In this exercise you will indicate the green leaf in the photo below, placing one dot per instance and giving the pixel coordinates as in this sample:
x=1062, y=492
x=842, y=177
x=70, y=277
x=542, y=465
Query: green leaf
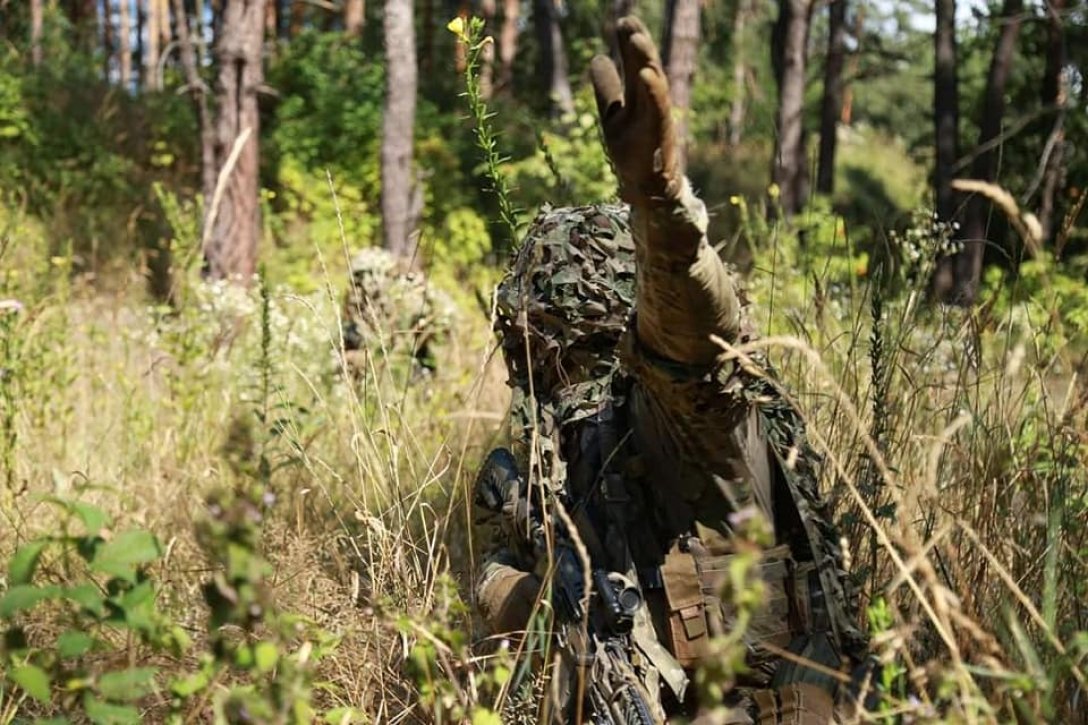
x=93, y=518
x=104, y=713
x=189, y=686
x=22, y=566
x=33, y=680
x=24, y=596
x=265, y=655
x=124, y=552
x=130, y=684
x=87, y=596
x=74, y=643
x=484, y=716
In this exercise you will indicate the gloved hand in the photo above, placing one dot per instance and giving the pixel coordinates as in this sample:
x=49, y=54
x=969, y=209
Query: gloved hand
x=636, y=118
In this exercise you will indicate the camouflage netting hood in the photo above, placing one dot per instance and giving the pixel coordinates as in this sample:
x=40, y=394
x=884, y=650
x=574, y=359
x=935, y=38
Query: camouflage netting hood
x=567, y=299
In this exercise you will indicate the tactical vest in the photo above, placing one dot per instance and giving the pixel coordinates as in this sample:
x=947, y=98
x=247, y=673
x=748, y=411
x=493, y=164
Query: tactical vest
x=629, y=525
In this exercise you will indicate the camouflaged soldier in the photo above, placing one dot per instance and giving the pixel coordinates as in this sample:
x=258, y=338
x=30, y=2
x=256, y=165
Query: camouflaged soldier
x=392, y=311
x=628, y=410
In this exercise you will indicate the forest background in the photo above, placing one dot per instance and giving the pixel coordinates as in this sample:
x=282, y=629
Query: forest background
x=205, y=516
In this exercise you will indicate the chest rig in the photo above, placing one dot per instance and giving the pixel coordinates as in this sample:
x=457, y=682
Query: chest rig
x=682, y=563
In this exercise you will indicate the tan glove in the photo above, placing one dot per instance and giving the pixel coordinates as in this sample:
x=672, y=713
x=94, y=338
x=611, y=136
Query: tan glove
x=636, y=118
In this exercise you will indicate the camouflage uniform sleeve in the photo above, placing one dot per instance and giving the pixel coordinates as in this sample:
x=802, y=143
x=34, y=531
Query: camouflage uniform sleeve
x=685, y=292
x=690, y=414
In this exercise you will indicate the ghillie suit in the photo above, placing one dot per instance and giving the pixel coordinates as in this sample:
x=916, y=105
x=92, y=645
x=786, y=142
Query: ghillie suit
x=392, y=312
x=662, y=447
x=576, y=372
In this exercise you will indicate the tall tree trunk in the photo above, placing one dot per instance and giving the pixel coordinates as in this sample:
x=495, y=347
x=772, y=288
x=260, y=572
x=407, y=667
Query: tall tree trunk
x=107, y=39
x=1053, y=96
x=831, y=109
x=554, y=78
x=298, y=18
x=508, y=45
x=855, y=61
x=681, y=55
x=398, y=128
x=151, y=50
x=230, y=249
x=36, y=32
x=738, y=107
x=616, y=9
x=354, y=17
x=83, y=14
x=984, y=168
x=487, y=54
x=189, y=63
x=946, y=125
x=788, y=47
x=271, y=22
x=124, y=44
x=141, y=24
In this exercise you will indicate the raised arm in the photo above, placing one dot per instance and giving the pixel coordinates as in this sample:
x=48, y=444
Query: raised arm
x=685, y=293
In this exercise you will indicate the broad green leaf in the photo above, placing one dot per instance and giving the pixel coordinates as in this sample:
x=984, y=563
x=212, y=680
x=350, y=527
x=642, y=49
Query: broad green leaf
x=87, y=596
x=33, y=680
x=22, y=566
x=130, y=684
x=93, y=518
x=265, y=655
x=104, y=713
x=74, y=643
x=124, y=552
x=24, y=596
x=484, y=716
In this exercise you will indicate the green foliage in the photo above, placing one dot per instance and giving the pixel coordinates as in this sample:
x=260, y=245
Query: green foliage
x=104, y=609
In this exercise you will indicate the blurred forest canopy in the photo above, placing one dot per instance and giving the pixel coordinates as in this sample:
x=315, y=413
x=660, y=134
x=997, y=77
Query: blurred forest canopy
x=116, y=117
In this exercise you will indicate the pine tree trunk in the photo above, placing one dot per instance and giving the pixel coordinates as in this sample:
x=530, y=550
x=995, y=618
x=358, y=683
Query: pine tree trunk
x=738, y=107
x=487, y=54
x=508, y=45
x=151, y=50
x=141, y=24
x=354, y=17
x=230, y=250
x=398, y=128
x=189, y=63
x=681, y=54
x=108, y=48
x=831, y=109
x=946, y=122
x=788, y=45
x=124, y=44
x=36, y=32
x=1054, y=96
x=554, y=79
x=984, y=168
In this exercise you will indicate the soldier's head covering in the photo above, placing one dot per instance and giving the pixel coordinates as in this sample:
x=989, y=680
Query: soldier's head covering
x=564, y=305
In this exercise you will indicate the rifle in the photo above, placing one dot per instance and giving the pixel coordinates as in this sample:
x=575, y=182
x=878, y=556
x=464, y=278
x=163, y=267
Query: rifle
x=595, y=633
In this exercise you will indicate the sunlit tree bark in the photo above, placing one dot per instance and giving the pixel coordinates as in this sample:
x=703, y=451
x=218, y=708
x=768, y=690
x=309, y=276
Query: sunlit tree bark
x=230, y=250
x=680, y=56
x=398, y=127
x=354, y=17
x=508, y=45
x=124, y=44
x=36, y=32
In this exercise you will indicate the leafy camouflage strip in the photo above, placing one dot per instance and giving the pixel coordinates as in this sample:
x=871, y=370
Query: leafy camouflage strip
x=562, y=309
x=391, y=309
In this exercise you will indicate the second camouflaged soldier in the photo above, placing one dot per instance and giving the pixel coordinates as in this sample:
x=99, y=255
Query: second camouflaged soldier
x=625, y=404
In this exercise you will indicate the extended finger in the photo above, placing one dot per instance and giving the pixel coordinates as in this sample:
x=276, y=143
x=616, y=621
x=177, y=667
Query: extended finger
x=606, y=86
